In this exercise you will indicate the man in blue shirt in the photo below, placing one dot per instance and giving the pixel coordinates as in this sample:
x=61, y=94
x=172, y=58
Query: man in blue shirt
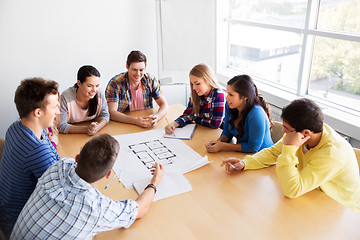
x=28, y=152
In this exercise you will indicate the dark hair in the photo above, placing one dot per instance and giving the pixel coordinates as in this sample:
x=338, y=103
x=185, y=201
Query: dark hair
x=97, y=157
x=303, y=114
x=135, y=56
x=245, y=87
x=83, y=73
x=31, y=94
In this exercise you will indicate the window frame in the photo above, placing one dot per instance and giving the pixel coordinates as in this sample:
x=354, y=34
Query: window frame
x=339, y=117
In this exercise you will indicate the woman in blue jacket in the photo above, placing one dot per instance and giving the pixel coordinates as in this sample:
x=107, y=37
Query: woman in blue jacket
x=247, y=118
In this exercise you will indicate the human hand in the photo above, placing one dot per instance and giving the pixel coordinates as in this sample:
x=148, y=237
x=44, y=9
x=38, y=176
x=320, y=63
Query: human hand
x=213, y=146
x=295, y=139
x=93, y=128
x=153, y=119
x=144, y=122
x=53, y=138
x=157, y=171
x=239, y=164
x=171, y=129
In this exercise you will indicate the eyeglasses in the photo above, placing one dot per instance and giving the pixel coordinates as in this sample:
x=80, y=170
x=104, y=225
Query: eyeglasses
x=289, y=130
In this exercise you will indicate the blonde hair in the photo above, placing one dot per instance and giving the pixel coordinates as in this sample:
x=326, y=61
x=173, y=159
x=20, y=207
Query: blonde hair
x=202, y=71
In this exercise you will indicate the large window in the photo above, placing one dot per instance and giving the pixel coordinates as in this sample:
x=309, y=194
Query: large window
x=309, y=48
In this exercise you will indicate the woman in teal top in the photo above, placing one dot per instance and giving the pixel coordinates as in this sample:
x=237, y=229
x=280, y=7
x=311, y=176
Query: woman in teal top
x=247, y=118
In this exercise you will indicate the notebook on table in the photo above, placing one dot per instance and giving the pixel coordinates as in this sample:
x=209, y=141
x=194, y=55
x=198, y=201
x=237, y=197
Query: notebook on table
x=183, y=133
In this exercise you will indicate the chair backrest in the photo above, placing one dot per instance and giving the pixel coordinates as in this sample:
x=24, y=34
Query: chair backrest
x=276, y=131
x=357, y=153
x=2, y=143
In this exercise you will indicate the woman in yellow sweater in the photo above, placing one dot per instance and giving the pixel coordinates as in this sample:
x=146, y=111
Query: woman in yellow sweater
x=310, y=155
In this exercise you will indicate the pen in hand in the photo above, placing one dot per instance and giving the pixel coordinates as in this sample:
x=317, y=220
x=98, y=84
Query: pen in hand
x=229, y=163
x=110, y=181
x=169, y=126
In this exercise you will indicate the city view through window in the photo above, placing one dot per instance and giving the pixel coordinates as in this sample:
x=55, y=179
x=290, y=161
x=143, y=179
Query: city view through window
x=266, y=40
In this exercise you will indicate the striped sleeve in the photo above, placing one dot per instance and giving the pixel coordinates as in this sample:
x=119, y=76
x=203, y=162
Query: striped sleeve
x=41, y=157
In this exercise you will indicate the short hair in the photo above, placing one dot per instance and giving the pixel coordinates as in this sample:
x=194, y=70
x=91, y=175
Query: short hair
x=84, y=72
x=97, y=157
x=202, y=70
x=31, y=94
x=135, y=56
x=303, y=114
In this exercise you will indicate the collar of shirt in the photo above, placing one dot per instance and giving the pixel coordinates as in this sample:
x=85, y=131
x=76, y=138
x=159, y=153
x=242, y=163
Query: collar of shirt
x=67, y=181
x=143, y=81
x=209, y=97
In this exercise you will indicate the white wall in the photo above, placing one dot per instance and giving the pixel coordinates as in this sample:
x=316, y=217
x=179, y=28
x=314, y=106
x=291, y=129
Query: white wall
x=186, y=37
x=52, y=39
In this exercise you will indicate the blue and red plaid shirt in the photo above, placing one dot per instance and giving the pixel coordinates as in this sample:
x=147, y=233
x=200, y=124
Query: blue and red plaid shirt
x=211, y=113
x=118, y=90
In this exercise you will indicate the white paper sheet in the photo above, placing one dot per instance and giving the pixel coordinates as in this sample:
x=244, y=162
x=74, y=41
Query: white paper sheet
x=138, y=151
x=172, y=184
x=202, y=162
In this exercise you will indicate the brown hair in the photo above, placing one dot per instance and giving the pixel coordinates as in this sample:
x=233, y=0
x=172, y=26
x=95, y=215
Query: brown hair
x=135, y=56
x=31, y=94
x=97, y=157
x=202, y=71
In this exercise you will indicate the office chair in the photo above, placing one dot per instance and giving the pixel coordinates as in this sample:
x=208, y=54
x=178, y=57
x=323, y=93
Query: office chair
x=276, y=131
x=357, y=153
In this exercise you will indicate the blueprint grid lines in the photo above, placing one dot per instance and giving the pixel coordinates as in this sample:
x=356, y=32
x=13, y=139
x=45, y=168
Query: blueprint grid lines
x=149, y=152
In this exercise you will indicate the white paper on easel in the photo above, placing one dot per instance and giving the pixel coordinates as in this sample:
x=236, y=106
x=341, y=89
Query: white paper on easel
x=170, y=185
x=138, y=152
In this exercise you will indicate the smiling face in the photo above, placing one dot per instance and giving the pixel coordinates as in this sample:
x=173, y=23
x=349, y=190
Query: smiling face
x=89, y=88
x=51, y=109
x=199, y=85
x=136, y=72
x=234, y=99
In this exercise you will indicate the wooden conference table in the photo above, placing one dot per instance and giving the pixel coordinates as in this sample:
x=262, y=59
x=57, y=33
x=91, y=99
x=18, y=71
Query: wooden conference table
x=250, y=205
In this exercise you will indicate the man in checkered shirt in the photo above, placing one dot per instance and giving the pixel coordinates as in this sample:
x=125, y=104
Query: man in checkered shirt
x=135, y=90
x=66, y=205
